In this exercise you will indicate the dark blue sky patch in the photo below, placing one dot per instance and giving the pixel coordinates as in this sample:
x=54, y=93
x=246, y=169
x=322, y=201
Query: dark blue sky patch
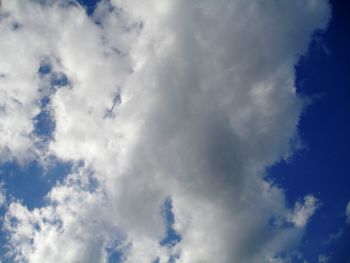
x=44, y=122
x=51, y=80
x=115, y=256
x=31, y=182
x=58, y=79
x=172, y=237
x=89, y=5
x=45, y=68
x=44, y=125
x=117, y=252
x=44, y=101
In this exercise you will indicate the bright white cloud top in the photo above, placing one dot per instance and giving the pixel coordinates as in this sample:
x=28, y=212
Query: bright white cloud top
x=187, y=101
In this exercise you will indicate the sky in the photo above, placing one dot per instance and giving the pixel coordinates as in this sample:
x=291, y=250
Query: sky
x=167, y=131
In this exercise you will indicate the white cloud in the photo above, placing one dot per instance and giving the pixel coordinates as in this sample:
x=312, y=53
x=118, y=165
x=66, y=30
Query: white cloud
x=207, y=102
x=303, y=211
x=347, y=213
x=43, y=234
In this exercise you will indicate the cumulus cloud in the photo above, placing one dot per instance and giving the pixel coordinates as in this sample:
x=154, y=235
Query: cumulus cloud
x=188, y=101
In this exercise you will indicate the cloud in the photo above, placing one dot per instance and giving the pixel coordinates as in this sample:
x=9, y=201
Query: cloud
x=164, y=100
x=63, y=225
x=347, y=213
x=303, y=211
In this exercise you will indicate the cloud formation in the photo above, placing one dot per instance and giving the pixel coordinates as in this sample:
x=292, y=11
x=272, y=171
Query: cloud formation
x=347, y=213
x=303, y=211
x=188, y=101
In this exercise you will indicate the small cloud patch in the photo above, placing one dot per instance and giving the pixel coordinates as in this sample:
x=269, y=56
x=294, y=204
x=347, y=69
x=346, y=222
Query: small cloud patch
x=304, y=210
x=347, y=213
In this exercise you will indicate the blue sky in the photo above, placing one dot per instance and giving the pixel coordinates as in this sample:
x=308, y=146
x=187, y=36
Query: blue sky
x=323, y=167
x=175, y=216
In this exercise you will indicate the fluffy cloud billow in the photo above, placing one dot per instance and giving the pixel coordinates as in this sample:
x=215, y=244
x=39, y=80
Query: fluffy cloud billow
x=154, y=102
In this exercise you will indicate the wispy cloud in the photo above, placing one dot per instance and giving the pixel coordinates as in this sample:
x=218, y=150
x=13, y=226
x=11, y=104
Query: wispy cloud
x=334, y=236
x=347, y=213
